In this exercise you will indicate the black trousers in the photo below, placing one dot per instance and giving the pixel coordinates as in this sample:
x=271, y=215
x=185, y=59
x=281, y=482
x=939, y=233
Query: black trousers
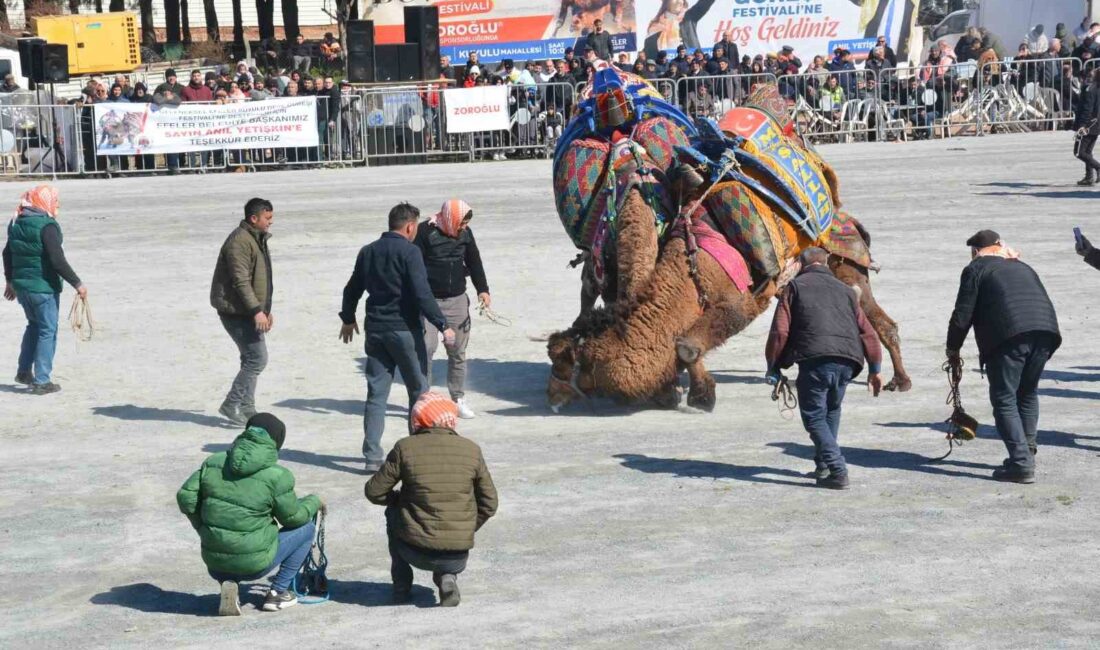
x=1014, y=370
x=405, y=556
x=1084, y=154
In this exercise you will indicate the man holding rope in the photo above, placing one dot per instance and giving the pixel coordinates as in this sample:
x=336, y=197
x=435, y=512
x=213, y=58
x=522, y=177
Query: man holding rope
x=450, y=254
x=1016, y=329
x=34, y=266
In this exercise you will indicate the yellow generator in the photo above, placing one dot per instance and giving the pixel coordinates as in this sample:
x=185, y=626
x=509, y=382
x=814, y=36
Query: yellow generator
x=107, y=42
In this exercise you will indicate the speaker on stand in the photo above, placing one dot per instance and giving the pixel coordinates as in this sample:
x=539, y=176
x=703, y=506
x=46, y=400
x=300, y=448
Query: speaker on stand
x=361, y=51
x=422, y=28
x=26, y=58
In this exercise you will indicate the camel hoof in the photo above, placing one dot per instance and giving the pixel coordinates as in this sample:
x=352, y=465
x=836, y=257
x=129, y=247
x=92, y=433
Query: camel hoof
x=687, y=351
x=669, y=398
x=898, y=385
x=703, y=399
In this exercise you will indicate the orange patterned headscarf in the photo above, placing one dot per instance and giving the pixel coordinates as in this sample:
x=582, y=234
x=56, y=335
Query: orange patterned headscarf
x=433, y=410
x=43, y=198
x=450, y=216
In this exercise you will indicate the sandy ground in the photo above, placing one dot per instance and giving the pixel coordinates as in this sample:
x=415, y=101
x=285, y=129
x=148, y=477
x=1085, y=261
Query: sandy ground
x=618, y=527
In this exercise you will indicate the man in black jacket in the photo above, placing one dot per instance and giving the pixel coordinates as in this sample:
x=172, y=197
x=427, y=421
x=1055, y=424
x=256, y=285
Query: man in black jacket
x=1017, y=332
x=450, y=254
x=391, y=271
x=820, y=326
x=1087, y=125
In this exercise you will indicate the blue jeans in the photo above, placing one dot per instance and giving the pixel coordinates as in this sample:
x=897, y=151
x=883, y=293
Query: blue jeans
x=40, y=337
x=1014, y=371
x=821, y=385
x=387, y=351
x=294, y=545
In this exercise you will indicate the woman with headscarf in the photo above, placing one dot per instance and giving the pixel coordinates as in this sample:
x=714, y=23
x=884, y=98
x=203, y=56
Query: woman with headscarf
x=34, y=266
x=450, y=254
x=141, y=96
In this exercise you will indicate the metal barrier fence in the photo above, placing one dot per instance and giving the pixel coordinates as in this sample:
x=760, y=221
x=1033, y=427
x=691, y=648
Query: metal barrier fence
x=407, y=125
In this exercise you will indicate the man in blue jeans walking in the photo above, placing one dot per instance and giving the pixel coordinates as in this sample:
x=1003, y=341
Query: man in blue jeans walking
x=820, y=326
x=392, y=273
x=34, y=266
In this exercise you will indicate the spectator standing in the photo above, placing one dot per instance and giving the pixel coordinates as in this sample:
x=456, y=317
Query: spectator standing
x=197, y=91
x=330, y=52
x=729, y=45
x=1036, y=40
x=141, y=96
x=236, y=501
x=446, y=496
x=820, y=326
x=34, y=266
x=169, y=94
x=1016, y=329
x=1087, y=125
x=450, y=254
x=1060, y=33
x=990, y=41
x=845, y=71
x=391, y=272
x=241, y=292
x=599, y=41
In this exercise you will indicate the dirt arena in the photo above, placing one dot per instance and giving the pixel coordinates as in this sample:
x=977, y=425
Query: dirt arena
x=618, y=527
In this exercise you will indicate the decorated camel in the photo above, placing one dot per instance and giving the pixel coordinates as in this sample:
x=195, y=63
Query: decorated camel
x=688, y=231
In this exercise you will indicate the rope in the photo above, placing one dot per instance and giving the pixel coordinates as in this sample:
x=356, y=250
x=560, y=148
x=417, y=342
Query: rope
x=80, y=318
x=495, y=318
x=311, y=577
x=782, y=392
x=962, y=426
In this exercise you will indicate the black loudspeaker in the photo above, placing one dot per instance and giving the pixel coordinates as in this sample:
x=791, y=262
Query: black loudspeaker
x=397, y=62
x=360, y=40
x=55, y=63
x=27, y=57
x=422, y=28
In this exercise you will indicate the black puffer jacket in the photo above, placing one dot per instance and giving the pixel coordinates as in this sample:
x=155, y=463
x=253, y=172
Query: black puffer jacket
x=449, y=260
x=1002, y=299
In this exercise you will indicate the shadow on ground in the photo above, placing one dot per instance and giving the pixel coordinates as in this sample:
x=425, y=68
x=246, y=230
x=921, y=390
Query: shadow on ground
x=686, y=468
x=1071, y=194
x=376, y=594
x=350, y=464
x=150, y=598
x=885, y=458
x=152, y=414
x=1045, y=438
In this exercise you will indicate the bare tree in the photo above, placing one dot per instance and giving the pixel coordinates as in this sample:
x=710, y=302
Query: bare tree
x=5, y=24
x=172, y=21
x=290, y=20
x=185, y=22
x=238, y=25
x=148, y=29
x=213, y=33
x=265, y=16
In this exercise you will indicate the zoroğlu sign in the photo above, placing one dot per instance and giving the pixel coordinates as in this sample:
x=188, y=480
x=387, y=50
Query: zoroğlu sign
x=511, y=29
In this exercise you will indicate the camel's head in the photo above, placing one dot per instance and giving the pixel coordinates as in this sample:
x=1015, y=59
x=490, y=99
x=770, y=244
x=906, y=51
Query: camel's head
x=567, y=381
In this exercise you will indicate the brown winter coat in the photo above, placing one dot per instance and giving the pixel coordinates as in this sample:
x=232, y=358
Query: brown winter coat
x=446, y=491
x=242, y=284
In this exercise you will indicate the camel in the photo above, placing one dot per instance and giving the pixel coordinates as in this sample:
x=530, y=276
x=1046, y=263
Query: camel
x=635, y=348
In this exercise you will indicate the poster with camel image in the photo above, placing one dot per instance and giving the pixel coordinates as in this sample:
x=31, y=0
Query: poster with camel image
x=512, y=29
x=130, y=129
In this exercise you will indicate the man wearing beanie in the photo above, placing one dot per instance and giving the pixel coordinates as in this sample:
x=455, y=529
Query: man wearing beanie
x=250, y=522
x=1016, y=330
x=446, y=495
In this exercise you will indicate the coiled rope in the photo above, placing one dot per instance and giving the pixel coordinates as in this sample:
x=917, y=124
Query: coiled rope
x=311, y=578
x=80, y=318
x=962, y=426
x=484, y=311
x=783, y=393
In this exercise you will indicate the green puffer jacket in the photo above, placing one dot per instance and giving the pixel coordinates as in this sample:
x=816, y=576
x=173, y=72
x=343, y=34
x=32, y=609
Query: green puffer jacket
x=238, y=499
x=446, y=491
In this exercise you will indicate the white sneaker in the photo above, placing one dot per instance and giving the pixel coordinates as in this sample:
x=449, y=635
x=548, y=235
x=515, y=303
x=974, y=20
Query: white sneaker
x=230, y=604
x=464, y=410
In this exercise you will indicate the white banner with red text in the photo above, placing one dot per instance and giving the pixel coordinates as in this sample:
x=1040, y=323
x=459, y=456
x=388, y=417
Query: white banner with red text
x=481, y=108
x=134, y=129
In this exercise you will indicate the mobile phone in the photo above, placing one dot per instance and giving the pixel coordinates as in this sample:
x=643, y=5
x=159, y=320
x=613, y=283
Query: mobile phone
x=1077, y=234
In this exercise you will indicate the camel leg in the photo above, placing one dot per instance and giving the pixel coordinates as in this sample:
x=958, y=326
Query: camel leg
x=590, y=289
x=885, y=327
x=701, y=392
x=636, y=246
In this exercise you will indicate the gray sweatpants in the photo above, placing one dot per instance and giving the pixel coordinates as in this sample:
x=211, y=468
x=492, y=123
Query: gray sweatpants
x=253, y=350
x=457, y=312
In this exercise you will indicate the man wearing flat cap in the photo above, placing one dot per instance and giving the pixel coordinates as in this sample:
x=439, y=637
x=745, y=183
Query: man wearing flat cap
x=1016, y=330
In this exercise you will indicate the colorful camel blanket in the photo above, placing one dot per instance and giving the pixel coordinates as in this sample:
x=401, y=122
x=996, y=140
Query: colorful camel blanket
x=714, y=243
x=844, y=239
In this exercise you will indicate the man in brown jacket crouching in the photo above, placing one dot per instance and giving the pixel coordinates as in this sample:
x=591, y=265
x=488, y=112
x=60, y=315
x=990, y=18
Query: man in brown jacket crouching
x=446, y=495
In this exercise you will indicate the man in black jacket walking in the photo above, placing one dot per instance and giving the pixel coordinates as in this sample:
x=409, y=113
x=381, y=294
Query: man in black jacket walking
x=1087, y=125
x=450, y=254
x=1017, y=332
x=820, y=326
x=391, y=271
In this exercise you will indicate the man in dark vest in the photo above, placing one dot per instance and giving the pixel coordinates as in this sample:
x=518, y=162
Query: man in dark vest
x=1016, y=329
x=820, y=326
x=34, y=266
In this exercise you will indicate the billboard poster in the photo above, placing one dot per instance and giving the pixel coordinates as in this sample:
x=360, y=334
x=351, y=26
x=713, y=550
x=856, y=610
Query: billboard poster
x=811, y=27
x=511, y=29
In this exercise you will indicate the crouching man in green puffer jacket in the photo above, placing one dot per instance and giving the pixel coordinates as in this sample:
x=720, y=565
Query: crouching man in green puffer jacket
x=236, y=501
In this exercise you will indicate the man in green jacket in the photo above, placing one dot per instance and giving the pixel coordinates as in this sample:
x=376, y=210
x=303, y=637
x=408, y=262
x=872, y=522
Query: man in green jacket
x=241, y=293
x=236, y=501
x=34, y=266
x=446, y=495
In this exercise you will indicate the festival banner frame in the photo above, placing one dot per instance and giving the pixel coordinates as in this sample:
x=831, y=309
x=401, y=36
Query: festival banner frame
x=477, y=109
x=130, y=129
